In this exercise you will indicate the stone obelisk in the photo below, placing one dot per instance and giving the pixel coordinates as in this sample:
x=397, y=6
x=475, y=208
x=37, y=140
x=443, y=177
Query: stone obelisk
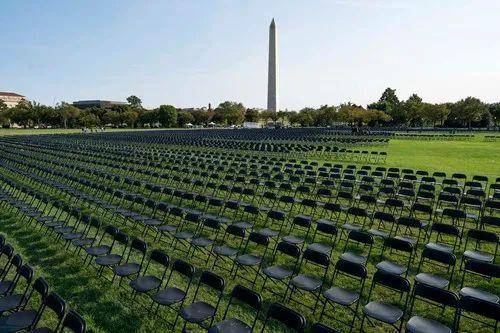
x=272, y=75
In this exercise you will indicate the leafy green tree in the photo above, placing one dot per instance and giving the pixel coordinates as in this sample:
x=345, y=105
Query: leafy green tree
x=67, y=114
x=167, y=115
x=148, y=117
x=201, y=116
x=184, y=118
x=413, y=109
x=468, y=110
x=4, y=113
x=268, y=116
x=252, y=115
x=326, y=116
x=231, y=113
x=135, y=102
x=434, y=113
x=87, y=119
x=22, y=114
x=494, y=109
x=389, y=96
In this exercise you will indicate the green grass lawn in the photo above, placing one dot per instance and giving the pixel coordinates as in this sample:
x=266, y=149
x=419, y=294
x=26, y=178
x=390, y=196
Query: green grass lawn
x=475, y=157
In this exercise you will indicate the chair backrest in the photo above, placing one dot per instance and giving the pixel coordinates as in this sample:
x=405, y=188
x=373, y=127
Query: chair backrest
x=212, y=280
x=351, y=268
x=480, y=307
x=75, y=322
x=247, y=296
x=391, y=281
x=183, y=268
x=288, y=317
x=57, y=305
x=321, y=328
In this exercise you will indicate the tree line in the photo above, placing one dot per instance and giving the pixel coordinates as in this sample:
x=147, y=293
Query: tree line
x=387, y=111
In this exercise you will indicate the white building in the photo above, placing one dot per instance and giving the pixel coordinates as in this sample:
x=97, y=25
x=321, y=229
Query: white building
x=11, y=99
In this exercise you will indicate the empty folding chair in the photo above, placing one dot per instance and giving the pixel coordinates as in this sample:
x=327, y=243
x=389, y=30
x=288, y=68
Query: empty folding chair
x=26, y=319
x=75, y=322
x=133, y=262
x=347, y=287
x=484, y=314
x=175, y=292
x=382, y=310
x=200, y=312
x=58, y=306
x=228, y=247
x=434, y=260
x=322, y=328
x=310, y=281
x=246, y=299
x=364, y=244
x=324, y=237
x=158, y=263
x=113, y=259
x=440, y=322
x=483, y=274
x=396, y=256
x=283, y=266
x=484, y=246
x=287, y=317
x=252, y=257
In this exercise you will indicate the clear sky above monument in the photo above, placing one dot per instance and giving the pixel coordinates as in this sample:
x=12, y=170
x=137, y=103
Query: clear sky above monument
x=189, y=53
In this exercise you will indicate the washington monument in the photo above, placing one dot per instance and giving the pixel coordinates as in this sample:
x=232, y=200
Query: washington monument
x=272, y=75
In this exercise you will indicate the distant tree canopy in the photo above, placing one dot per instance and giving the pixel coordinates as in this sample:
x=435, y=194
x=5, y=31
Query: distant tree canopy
x=388, y=110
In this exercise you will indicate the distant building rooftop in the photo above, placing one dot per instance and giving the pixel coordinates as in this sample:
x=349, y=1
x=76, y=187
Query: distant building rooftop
x=98, y=103
x=10, y=98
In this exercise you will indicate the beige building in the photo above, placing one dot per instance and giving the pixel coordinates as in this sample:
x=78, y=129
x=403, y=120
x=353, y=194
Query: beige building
x=11, y=99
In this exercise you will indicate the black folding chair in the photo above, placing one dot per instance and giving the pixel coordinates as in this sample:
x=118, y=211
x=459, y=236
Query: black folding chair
x=291, y=319
x=249, y=299
x=200, y=311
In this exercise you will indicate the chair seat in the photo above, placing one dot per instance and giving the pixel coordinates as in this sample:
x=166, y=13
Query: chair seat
x=244, y=225
x=197, y=312
x=11, y=302
x=268, y=232
x=202, y=242
x=318, y=247
x=72, y=236
x=152, y=222
x=292, y=239
x=127, y=269
x=17, y=321
x=109, y=260
x=184, y=235
x=224, y=250
x=418, y=324
x=378, y=233
x=231, y=325
x=167, y=228
x=248, y=260
x=64, y=230
x=42, y=330
x=82, y=241
x=306, y=282
x=386, y=313
x=277, y=272
x=408, y=239
x=390, y=267
x=341, y=296
x=479, y=294
x=97, y=250
x=440, y=247
x=353, y=257
x=145, y=283
x=169, y=296
x=350, y=227
x=478, y=255
x=55, y=224
x=432, y=280
x=6, y=286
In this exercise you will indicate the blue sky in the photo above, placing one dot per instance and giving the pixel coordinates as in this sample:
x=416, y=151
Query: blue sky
x=189, y=53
